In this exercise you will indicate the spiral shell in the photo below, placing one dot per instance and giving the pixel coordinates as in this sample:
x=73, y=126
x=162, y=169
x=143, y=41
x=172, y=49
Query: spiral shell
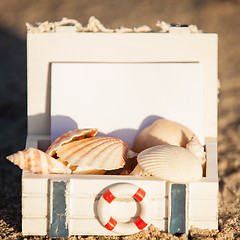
x=70, y=137
x=102, y=153
x=37, y=161
x=162, y=132
x=171, y=163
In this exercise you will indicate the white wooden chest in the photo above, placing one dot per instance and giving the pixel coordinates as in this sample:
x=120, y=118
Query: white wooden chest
x=119, y=83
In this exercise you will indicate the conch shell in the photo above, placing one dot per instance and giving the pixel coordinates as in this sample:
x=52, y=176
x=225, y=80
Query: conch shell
x=70, y=137
x=170, y=163
x=162, y=132
x=37, y=161
x=98, y=153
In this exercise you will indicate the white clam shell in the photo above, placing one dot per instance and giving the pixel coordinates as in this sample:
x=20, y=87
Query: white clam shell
x=162, y=132
x=37, y=161
x=102, y=153
x=171, y=163
x=69, y=137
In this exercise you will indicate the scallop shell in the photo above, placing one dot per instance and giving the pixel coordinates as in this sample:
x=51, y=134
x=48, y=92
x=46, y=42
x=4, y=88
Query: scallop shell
x=69, y=137
x=162, y=132
x=196, y=148
x=37, y=161
x=103, y=153
x=171, y=163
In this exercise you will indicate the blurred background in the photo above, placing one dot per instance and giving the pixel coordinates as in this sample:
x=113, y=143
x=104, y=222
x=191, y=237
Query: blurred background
x=215, y=16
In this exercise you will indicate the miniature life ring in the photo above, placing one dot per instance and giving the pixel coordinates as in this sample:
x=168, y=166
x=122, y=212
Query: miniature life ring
x=124, y=228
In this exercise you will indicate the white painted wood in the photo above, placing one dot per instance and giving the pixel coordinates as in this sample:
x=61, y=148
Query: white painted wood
x=35, y=140
x=86, y=226
x=34, y=226
x=34, y=186
x=45, y=49
x=203, y=209
x=81, y=208
x=203, y=190
x=84, y=186
x=34, y=206
x=140, y=47
x=212, y=159
x=204, y=224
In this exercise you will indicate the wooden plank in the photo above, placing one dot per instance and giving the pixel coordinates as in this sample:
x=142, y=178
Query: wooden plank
x=204, y=224
x=33, y=186
x=35, y=206
x=91, y=185
x=34, y=226
x=93, y=227
x=203, y=209
x=82, y=207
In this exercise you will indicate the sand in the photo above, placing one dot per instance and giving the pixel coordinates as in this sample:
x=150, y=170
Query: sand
x=219, y=16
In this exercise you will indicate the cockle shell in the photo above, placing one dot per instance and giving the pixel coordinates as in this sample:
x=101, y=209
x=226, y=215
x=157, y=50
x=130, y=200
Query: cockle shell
x=196, y=148
x=69, y=137
x=103, y=153
x=37, y=161
x=162, y=132
x=171, y=163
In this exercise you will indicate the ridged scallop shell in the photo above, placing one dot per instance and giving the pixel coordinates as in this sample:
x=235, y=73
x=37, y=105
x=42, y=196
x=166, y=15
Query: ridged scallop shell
x=37, y=161
x=196, y=148
x=103, y=153
x=171, y=163
x=162, y=132
x=69, y=137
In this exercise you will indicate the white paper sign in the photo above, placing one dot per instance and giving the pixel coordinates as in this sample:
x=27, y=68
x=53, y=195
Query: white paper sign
x=120, y=99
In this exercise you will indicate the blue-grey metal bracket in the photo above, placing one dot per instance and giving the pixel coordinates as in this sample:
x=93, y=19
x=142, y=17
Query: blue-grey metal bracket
x=178, y=205
x=59, y=215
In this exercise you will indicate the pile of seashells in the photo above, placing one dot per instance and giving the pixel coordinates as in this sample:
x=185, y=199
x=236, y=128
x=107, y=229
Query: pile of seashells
x=166, y=149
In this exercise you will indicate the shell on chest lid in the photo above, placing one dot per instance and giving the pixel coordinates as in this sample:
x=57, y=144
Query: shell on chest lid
x=162, y=132
x=170, y=163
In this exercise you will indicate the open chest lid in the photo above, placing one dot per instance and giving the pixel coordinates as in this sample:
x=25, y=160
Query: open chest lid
x=121, y=82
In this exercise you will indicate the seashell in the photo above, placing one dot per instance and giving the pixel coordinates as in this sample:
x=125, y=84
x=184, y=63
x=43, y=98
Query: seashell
x=196, y=148
x=171, y=163
x=37, y=161
x=69, y=137
x=102, y=153
x=138, y=171
x=162, y=132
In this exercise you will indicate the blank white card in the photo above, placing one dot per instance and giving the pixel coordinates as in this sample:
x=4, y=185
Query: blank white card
x=120, y=99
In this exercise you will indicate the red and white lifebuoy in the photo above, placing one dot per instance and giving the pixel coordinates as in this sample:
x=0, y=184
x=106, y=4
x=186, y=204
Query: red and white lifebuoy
x=124, y=228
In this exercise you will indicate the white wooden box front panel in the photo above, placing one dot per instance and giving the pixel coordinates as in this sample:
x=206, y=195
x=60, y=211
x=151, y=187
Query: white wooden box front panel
x=84, y=193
